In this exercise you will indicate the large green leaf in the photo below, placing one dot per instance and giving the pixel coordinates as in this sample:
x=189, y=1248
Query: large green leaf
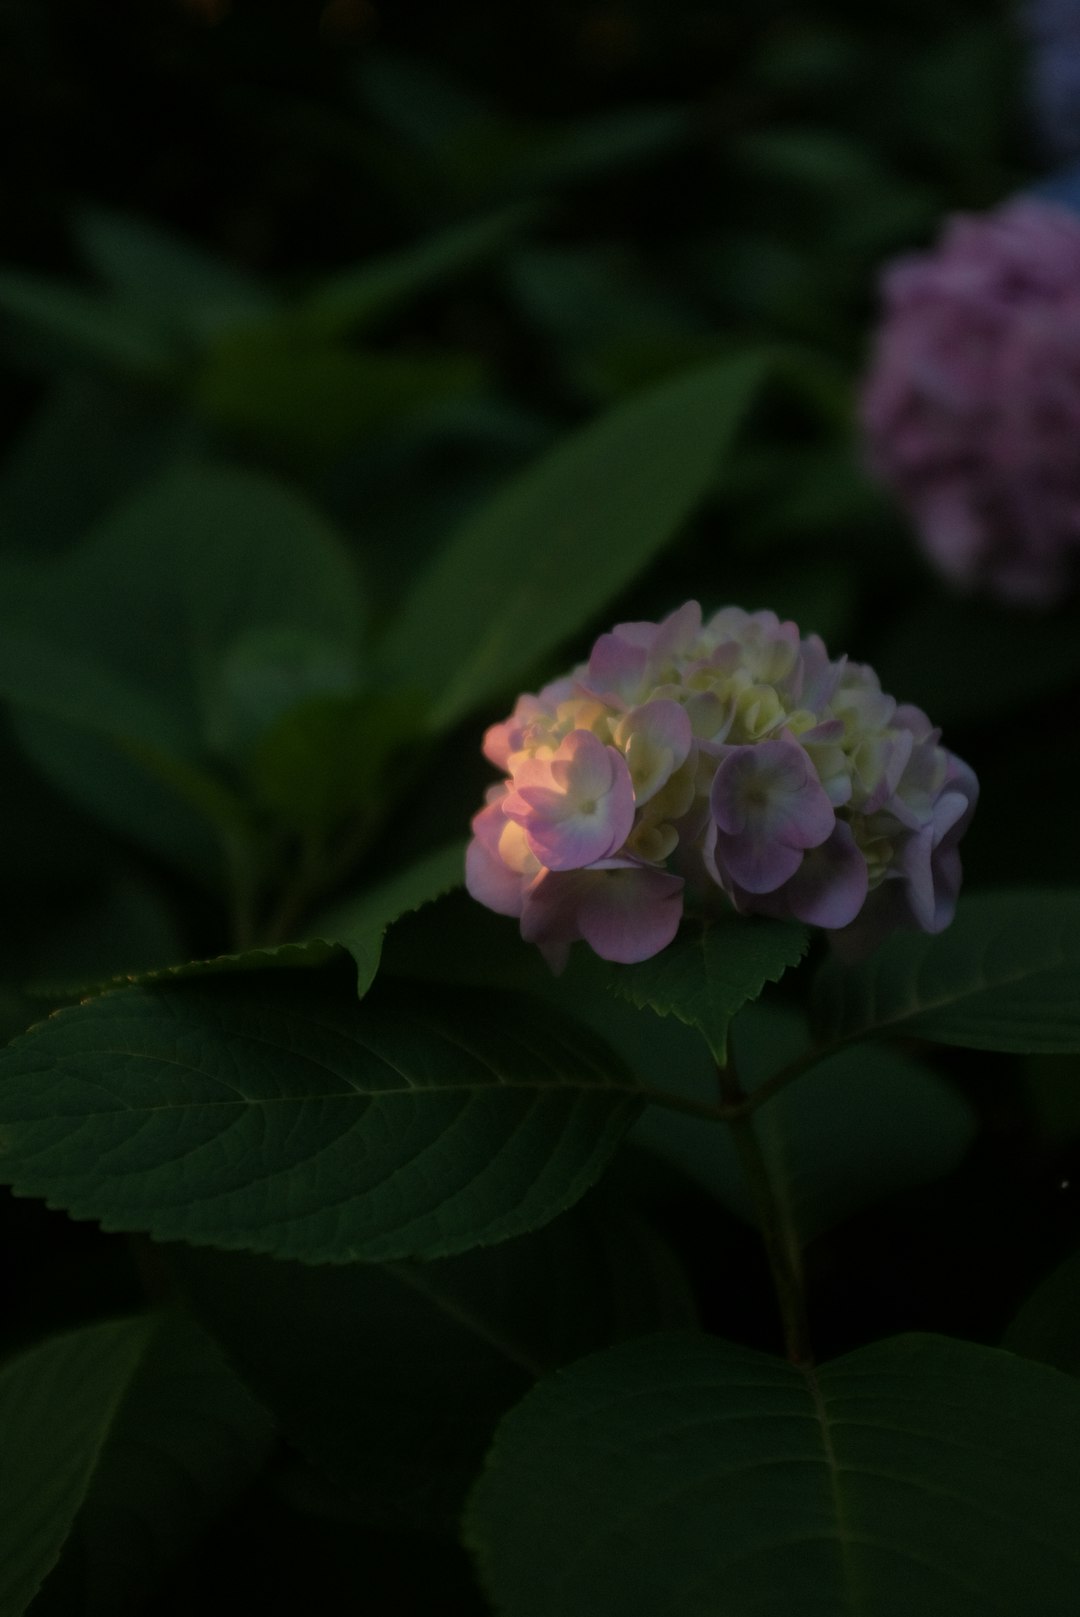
x=185, y=1439
x=540, y=559
x=854, y=1129
x=711, y=970
x=390, y=1377
x=57, y=1404
x=1002, y=977
x=276, y=1113
x=687, y=1476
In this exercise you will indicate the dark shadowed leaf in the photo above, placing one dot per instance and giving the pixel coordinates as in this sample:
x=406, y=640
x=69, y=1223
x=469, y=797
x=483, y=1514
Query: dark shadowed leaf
x=390, y=1377
x=1002, y=977
x=685, y=1475
x=185, y=1439
x=57, y=1405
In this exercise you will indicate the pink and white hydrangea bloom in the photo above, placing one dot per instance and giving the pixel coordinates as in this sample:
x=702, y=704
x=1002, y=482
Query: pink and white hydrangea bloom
x=733, y=760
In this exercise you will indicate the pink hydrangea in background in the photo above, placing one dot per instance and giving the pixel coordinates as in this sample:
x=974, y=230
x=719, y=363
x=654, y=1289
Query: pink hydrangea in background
x=971, y=407
x=732, y=759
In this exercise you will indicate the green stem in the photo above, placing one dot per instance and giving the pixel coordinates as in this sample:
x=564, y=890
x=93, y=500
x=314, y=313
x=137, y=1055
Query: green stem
x=783, y=1260
x=786, y=1075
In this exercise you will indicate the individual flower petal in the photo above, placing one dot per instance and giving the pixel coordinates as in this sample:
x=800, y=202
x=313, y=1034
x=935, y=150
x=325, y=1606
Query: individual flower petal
x=767, y=806
x=656, y=740
x=488, y=878
x=616, y=670
x=830, y=886
x=577, y=806
x=930, y=872
x=631, y=914
x=625, y=912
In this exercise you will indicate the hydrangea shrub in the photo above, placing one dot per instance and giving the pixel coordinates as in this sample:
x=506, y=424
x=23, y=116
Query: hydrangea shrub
x=728, y=761
x=971, y=404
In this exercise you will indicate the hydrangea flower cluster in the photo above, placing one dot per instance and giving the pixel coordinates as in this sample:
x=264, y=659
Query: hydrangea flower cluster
x=971, y=408
x=732, y=758
x=1053, y=27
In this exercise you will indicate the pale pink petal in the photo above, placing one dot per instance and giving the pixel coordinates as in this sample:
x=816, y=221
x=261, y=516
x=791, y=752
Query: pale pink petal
x=830, y=886
x=630, y=915
x=615, y=670
x=578, y=806
x=487, y=878
x=656, y=738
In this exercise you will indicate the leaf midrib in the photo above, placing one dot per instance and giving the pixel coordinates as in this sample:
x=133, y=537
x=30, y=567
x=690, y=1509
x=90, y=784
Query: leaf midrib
x=537, y=1086
x=843, y=1538
x=513, y=1352
x=945, y=1001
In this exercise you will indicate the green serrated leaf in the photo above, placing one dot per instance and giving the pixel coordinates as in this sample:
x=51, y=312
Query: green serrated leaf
x=390, y=1377
x=1002, y=977
x=282, y=1116
x=57, y=1405
x=356, y=926
x=712, y=970
x=589, y=515
x=186, y=1438
x=690, y=1476
x=359, y=923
